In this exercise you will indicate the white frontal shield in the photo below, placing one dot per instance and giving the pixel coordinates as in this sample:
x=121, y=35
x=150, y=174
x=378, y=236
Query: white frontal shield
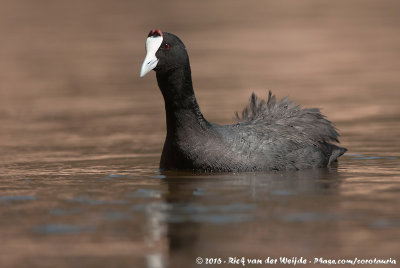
x=150, y=62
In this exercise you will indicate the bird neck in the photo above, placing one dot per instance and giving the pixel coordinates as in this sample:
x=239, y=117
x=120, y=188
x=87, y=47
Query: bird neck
x=180, y=101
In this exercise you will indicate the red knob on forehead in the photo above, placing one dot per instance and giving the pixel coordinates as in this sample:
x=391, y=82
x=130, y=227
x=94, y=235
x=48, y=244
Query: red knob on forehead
x=155, y=32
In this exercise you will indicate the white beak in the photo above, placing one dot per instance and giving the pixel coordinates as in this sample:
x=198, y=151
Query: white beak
x=150, y=62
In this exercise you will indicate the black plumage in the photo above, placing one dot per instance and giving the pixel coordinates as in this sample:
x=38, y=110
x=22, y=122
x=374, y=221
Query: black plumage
x=269, y=135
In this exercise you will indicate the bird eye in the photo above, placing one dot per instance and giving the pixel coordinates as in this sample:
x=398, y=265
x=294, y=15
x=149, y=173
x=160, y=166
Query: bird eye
x=166, y=46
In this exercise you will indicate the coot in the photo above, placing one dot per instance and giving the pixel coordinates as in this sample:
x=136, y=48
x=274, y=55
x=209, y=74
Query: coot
x=269, y=135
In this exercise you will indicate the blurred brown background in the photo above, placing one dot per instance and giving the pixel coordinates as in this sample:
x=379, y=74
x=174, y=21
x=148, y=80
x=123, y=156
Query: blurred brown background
x=71, y=67
x=74, y=112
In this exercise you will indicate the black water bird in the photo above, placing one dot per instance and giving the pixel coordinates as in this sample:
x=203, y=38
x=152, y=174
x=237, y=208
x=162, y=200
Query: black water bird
x=269, y=135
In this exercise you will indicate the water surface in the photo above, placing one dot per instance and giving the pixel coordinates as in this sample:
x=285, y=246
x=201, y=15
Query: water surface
x=81, y=134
